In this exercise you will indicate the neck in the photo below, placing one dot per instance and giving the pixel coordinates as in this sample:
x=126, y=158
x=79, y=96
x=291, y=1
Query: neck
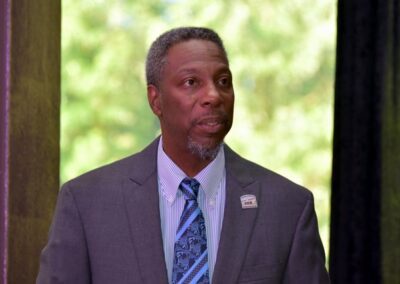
x=193, y=167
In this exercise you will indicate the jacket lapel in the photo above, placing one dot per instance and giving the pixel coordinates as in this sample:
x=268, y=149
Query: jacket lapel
x=142, y=207
x=238, y=222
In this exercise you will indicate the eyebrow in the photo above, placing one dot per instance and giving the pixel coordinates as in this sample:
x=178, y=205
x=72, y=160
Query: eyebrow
x=225, y=69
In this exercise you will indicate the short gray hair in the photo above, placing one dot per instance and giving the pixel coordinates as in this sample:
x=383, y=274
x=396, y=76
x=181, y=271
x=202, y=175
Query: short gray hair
x=158, y=50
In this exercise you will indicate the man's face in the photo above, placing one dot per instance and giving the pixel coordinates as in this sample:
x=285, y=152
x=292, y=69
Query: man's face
x=195, y=98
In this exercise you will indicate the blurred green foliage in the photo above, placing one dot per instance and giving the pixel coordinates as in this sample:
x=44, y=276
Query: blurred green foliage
x=282, y=58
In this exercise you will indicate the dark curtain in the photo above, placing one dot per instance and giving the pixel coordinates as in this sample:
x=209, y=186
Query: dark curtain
x=30, y=59
x=366, y=153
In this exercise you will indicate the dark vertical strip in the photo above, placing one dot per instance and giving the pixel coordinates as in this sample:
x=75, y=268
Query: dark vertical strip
x=365, y=225
x=4, y=99
x=355, y=253
x=391, y=152
x=33, y=131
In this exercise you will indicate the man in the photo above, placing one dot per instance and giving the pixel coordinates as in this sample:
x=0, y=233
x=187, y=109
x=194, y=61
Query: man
x=186, y=209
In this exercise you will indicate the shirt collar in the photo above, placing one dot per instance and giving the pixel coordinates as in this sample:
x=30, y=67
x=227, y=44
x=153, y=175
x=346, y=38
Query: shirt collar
x=170, y=175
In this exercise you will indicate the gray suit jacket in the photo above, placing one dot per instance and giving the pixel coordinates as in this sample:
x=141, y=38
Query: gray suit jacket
x=106, y=228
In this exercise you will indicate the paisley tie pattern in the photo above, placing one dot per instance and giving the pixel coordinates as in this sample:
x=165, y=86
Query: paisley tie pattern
x=191, y=257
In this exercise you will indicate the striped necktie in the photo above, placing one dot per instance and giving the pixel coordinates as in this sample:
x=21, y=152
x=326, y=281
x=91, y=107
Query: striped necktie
x=191, y=256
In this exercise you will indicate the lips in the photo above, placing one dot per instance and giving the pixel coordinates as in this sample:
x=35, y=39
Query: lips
x=210, y=120
x=211, y=124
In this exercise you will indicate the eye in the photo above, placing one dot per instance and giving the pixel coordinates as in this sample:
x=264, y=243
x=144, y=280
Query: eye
x=224, y=81
x=189, y=82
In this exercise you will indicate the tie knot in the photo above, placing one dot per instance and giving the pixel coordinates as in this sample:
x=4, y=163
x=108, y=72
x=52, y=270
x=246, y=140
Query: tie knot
x=190, y=188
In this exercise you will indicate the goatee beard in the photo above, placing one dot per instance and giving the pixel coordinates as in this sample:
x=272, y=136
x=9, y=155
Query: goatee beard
x=203, y=152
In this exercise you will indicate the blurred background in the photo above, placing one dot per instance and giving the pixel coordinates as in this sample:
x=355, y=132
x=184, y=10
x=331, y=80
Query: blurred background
x=282, y=55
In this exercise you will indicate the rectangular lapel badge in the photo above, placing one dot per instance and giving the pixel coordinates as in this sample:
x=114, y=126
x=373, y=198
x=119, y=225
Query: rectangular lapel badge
x=248, y=201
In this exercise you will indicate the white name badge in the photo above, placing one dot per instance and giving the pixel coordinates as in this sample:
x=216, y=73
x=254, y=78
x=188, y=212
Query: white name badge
x=248, y=201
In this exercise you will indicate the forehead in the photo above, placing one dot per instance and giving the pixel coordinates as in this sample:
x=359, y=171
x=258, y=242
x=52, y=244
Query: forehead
x=195, y=51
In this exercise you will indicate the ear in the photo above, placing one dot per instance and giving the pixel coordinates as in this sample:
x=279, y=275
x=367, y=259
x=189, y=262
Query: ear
x=153, y=96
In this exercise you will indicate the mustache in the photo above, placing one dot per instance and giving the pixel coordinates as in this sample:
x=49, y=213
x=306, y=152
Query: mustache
x=214, y=116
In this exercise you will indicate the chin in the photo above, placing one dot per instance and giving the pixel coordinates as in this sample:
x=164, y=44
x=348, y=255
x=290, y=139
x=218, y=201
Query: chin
x=205, y=151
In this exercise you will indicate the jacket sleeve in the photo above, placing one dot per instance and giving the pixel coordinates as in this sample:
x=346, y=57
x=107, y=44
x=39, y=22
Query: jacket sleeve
x=65, y=257
x=306, y=262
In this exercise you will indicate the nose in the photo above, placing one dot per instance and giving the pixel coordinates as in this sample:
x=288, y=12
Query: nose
x=211, y=96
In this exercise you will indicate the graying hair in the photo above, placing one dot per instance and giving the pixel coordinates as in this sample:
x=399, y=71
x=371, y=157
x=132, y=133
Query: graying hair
x=156, y=57
x=204, y=152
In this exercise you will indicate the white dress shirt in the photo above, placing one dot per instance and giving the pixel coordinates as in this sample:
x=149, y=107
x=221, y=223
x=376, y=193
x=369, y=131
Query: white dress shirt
x=211, y=201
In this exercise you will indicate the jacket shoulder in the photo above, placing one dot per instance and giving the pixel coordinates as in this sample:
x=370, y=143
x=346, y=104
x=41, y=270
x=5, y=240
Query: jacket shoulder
x=245, y=172
x=137, y=166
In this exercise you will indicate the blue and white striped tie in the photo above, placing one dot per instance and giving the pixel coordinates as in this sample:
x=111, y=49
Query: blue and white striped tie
x=191, y=256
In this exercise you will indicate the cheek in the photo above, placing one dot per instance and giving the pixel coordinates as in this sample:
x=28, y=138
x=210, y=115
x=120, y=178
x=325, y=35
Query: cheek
x=229, y=104
x=179, y=118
